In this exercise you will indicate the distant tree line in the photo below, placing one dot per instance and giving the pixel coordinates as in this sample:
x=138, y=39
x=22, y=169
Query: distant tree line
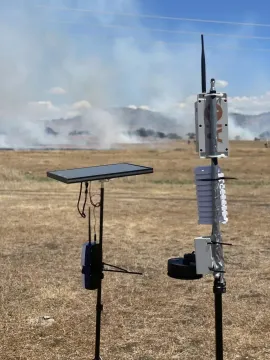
x=144, y=133
x=50, y=131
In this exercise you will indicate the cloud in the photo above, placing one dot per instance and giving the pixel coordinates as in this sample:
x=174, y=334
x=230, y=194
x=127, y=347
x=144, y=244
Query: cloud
x=81, y=105
x=221, y=83
x=78, y=108
x=42, y=110
x=57, y=91
x=46, y=105
x=248, y=105
x=252, y=105
x=46, y=110
x=142, y=107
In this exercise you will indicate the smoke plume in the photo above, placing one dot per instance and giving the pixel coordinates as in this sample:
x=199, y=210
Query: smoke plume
x=58, y=64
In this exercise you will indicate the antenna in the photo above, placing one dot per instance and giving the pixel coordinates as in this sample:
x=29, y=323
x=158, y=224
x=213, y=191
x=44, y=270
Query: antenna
x=92, y=251
x=203, y=67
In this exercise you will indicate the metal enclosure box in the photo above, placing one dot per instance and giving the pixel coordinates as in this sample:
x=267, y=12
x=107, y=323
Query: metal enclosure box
x=203, y=128
x=203, y=254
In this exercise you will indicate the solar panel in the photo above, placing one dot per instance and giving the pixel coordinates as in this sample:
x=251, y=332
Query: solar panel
x=102, y=172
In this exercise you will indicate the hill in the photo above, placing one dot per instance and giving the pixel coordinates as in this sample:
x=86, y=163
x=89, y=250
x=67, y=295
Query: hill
x=133, y=120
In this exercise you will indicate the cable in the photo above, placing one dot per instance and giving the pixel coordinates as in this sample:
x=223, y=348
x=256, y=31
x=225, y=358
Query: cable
x=152, y=16
x=91, y=198
x=89, y=226
x=82, y=213
x=95, y=205
x=164, y=30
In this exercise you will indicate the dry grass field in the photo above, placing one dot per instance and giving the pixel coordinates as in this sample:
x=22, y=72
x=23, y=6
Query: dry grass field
x=148, y=219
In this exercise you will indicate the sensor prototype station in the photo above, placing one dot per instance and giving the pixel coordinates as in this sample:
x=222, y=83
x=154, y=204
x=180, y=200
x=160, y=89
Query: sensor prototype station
x=212, y=142
x=93, y=267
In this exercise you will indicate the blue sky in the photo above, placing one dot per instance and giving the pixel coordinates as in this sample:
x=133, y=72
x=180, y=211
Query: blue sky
x=125, y=57
x=229, y=10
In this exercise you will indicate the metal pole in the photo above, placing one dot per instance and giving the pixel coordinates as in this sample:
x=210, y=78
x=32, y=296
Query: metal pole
x=99, y=303
x=217, y=250
x=216, y=206
x=218, y=322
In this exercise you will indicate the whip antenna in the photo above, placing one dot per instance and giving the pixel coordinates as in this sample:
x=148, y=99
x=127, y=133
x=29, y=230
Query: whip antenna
x=203, y=67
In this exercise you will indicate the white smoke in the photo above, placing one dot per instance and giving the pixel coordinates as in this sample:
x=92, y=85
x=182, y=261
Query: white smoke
x=51, y=70
x=236, y=131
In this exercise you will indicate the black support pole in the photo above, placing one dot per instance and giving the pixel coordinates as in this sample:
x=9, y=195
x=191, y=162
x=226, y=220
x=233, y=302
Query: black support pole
x=99, y=307
x=219, y=289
